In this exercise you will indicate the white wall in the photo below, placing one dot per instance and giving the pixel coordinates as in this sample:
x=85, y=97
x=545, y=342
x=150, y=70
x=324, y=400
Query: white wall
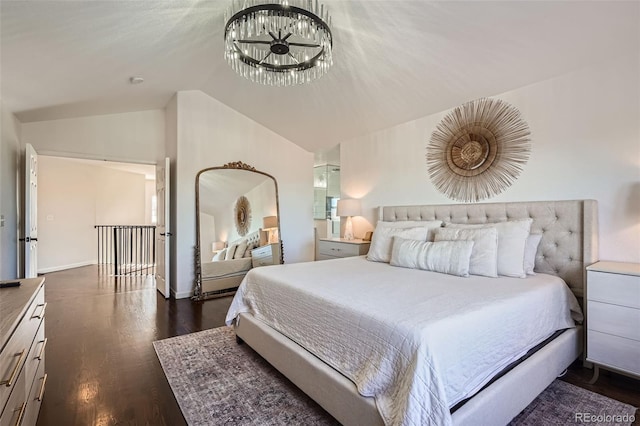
x=72, y=198
x=128, y=137
x=585, y=145
x=10, y=159
x=209, y=134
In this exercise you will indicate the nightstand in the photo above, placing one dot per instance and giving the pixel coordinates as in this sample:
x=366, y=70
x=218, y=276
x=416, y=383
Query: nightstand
x=613, y=317
x=333, y=248
x=266, y=255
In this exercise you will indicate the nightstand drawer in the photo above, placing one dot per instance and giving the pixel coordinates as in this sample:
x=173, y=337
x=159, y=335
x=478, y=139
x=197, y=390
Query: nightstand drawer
x=335, y=249
x=613, y=351
x=260, y=252
x=613, y=319
x=618, y=289
x=266, y=255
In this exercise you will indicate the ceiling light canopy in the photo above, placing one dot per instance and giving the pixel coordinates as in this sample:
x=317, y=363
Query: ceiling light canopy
x=278, y=42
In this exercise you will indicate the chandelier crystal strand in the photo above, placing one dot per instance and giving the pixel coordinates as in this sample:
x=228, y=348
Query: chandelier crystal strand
x=278, y=43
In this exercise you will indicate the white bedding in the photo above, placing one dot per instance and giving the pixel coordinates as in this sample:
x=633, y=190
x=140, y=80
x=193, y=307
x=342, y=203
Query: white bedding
x=225, y=268
x=417, y=341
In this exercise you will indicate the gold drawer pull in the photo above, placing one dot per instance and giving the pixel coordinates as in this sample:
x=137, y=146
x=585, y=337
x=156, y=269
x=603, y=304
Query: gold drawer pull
x=44, y=306
x=23, y=408
x=14, y=373
x=44, y=344
x=41, y=393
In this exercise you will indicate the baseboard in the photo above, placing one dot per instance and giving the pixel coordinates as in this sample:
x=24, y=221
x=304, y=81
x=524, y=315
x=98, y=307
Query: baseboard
x=65, y=267
x=181, y=295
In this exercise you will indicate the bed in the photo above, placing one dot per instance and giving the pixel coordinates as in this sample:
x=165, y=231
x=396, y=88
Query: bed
x=568, y=243
x=224, y=276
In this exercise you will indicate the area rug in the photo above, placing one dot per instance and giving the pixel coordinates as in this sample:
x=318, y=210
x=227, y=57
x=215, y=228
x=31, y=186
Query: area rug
x=218, y=382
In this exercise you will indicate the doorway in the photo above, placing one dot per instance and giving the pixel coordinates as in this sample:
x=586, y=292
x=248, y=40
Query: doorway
x=75, y=195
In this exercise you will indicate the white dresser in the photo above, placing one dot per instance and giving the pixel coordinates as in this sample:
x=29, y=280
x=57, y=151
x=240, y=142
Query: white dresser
x=22, y=376
x=266, y=255
x=613, y=317
x=333, y=248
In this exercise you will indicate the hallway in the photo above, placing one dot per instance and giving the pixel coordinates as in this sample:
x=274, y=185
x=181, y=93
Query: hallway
x=101, y=363
x=103, y=369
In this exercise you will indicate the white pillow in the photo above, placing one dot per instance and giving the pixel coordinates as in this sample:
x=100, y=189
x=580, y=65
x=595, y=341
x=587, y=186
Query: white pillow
x=230, y=252
x=381, y=242
x=242, y=247
x=512, y=237
x=448, y=257
x=430, y=224
x=484, y=255
x=219, y=255
x=530, y=251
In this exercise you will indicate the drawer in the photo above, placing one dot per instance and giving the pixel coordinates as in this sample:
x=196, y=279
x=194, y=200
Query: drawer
x=16, y=405
x=264, y=251
x=35, y=397
x=326, y=257
x=614, y=288
x=36, y=355
x=613, y=351
x=15, y=353
x=330, y=248
x=613, y=319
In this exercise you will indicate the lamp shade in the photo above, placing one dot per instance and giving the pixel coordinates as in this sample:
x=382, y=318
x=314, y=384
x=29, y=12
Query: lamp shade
x=217, y=245
x=349, y=207
x=270, y=222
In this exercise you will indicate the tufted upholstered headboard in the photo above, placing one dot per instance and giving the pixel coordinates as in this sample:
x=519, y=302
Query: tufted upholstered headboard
x=569, y=230
x=253, y=238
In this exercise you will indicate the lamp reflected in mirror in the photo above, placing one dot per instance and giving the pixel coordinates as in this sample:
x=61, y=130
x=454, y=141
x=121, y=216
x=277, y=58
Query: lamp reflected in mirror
x=270, y=224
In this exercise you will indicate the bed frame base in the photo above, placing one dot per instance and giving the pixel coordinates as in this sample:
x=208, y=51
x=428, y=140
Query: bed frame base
x=496, y=405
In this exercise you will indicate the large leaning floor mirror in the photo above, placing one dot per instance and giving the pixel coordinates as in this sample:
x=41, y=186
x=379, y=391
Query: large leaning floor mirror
x=237, y=227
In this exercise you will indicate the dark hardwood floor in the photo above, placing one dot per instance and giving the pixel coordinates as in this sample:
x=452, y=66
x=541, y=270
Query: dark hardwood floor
x=103, y=369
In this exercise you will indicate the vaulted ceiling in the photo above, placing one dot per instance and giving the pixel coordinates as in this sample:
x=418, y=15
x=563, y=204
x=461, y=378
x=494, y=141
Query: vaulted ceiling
x=394, y=61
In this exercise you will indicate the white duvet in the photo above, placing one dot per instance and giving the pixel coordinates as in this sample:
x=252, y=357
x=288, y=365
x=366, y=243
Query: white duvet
x=416, y=341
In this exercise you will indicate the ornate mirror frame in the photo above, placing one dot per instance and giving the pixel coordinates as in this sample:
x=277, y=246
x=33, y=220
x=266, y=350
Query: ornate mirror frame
x=237, y=165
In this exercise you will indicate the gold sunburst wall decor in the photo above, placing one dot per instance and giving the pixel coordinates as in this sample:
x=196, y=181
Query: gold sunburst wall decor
x=242, y=215
x=478, y=150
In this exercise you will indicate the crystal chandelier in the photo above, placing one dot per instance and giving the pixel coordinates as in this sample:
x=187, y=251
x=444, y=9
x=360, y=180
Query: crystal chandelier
x=278, y=42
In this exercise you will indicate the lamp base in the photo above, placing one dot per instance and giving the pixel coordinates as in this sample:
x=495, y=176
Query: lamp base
x=273, y=236
x=348, y=229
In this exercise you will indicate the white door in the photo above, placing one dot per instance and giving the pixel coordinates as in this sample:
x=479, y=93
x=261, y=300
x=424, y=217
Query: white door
x=163, y=233
x=30, y=231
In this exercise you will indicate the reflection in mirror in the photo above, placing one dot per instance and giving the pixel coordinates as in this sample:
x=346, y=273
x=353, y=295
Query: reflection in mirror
x=237, y=227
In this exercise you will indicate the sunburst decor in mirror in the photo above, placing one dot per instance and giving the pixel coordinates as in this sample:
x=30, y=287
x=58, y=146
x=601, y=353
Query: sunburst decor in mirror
x=242, y=214
x=478, y=150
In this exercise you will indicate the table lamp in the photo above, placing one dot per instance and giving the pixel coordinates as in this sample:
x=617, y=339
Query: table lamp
x=349, y=207
x=270, y=224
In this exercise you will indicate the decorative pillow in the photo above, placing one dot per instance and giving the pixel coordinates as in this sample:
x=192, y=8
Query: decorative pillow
x=430, y=224
x=381, y=242
x=230, y=252
x=219, y=255
x=530, y=251
x=242, y=247
x=448, y=257
x=512, y=237
x=484, y=255
x=247, y=252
